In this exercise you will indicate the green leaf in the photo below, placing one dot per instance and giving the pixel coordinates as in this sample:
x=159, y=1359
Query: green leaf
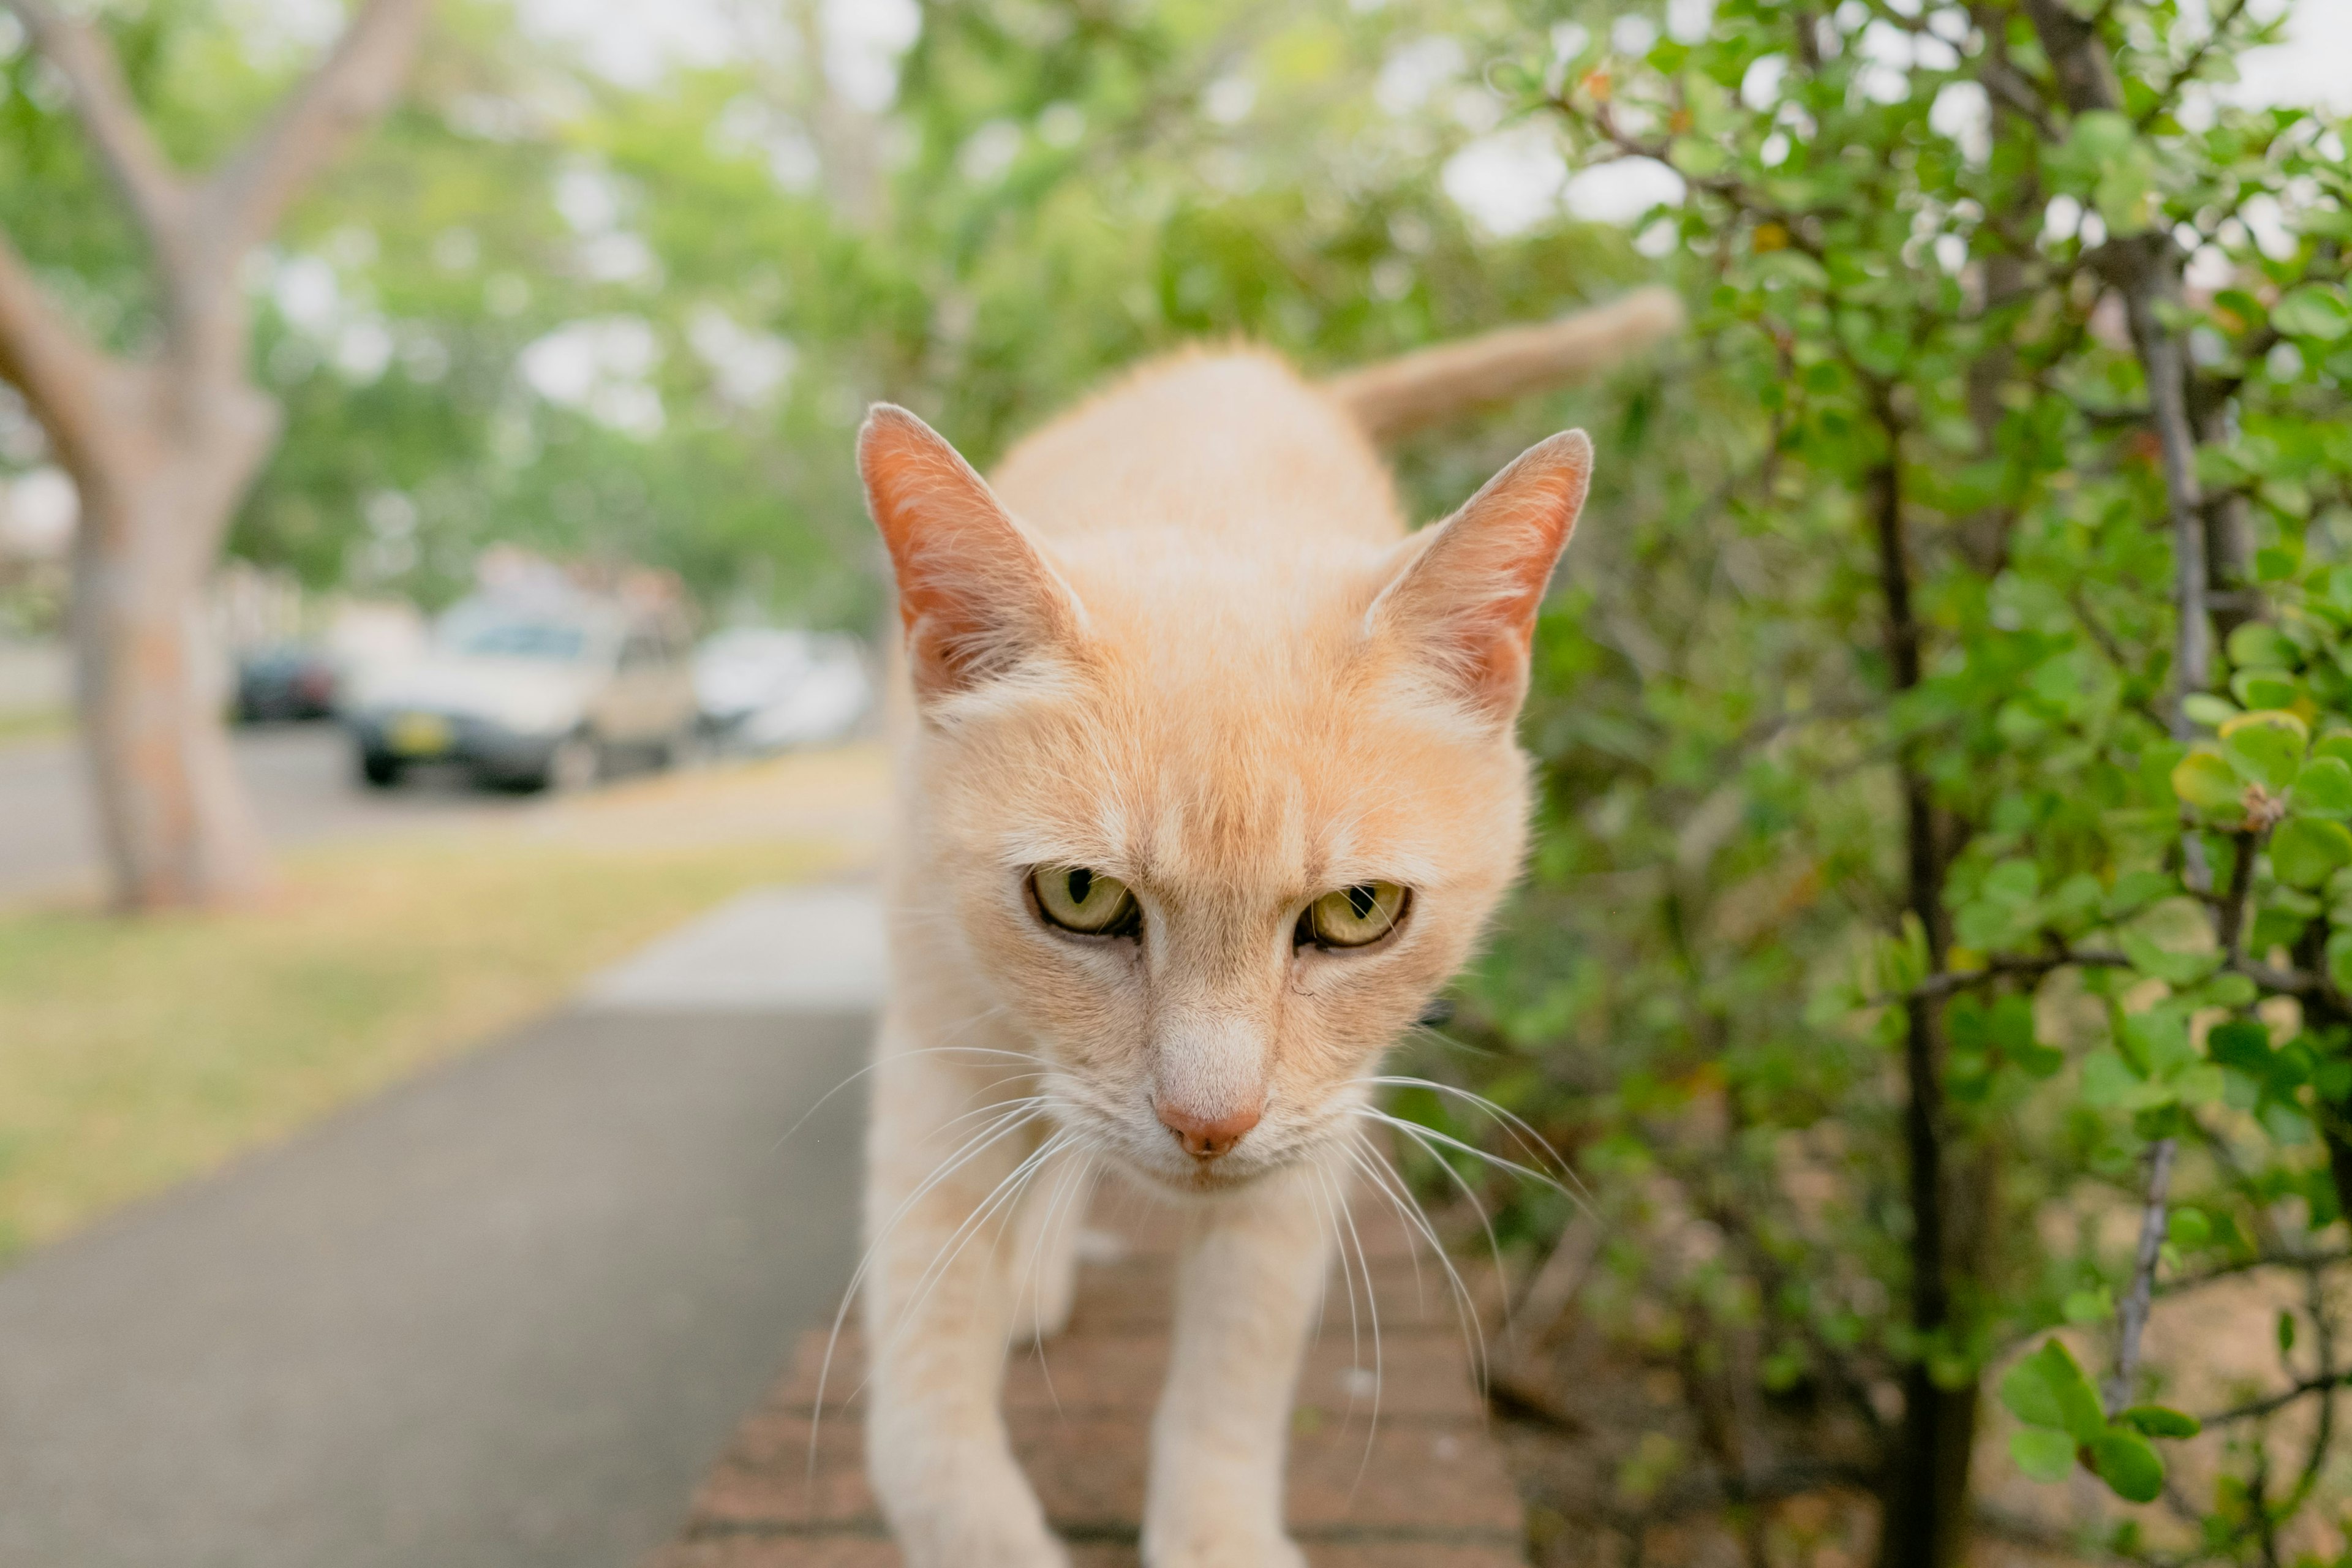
x=2042, y=1454
x=2187, y=1227
x=2026, y=1393
x=2231, y=991
x=2264, y=750
x=2128, y=1463
x=2324, y=788
x=2240, y=1043
x=2313, y=310
x=2172, y=968
x=2157, y=1041
x=2263, y=689
x=2036, y=1060
x=2048, y=1389
x=2160, y=1421
x=2337, y=745
x=2201, y=1085
x=2085, y=1307
x=2305, y=852
x=2204, y=708
x=2013, y=882
x=2109, y=1080
x=2207, y=782
x=2258, y=644
x=2135, y=890
x=2339, y=959
x=2100, y=136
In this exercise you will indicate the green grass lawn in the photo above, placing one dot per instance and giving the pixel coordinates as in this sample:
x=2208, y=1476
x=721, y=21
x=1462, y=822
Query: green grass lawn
x=34, y=724
x=134, y=1054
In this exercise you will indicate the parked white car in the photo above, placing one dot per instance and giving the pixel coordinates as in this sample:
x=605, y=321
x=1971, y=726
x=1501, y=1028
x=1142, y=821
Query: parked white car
x=529, y=696
x=766, y=688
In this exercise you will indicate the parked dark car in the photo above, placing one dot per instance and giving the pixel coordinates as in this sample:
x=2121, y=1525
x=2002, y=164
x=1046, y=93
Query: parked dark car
x=285, y=682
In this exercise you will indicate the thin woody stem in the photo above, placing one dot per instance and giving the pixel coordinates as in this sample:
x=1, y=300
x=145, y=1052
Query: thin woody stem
x=2131, y=1320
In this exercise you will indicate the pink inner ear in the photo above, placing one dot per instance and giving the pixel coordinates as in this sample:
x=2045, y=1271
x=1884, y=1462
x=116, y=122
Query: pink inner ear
x=1471, y=596
x=974, y=595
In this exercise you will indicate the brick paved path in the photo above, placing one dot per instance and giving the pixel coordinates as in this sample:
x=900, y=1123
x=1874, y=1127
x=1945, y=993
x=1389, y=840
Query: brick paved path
x=1425, y=1486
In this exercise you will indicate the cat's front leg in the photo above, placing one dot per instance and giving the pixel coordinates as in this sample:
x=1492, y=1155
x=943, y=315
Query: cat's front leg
x=1247, y=1288
x=940, y=1304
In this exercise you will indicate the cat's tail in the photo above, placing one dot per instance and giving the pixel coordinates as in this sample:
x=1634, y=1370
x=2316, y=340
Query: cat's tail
x=1398, y=396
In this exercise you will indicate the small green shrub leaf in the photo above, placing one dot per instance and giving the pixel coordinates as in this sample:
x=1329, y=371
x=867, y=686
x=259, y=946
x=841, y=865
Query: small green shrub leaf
x=2263, y=750
x=2207, y=784
x=2128, y=1463
x=2305, y=852
x=2313, y=310
x=2204, y=708
x=2263, y=689
x=2042, y=1454
x=2158, y=1421
x=2258, y=644
x=2048, y=1389
x=2324, y=788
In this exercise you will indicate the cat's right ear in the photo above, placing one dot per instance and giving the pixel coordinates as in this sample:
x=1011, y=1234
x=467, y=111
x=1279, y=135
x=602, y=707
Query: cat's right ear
x=1471, y=586
x=976, y=595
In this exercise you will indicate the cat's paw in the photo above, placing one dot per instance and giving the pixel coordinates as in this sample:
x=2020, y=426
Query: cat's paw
x=975, y=1544
x=1219, y=1544
x=978, y=1526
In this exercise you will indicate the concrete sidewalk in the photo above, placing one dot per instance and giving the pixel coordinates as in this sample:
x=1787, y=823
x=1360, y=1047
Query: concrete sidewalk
x=504, y=1315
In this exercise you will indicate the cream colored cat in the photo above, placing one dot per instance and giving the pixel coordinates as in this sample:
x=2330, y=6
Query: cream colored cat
x=1209, y=784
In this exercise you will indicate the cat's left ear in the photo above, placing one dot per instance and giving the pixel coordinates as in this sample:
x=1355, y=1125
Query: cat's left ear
x=1468, y=597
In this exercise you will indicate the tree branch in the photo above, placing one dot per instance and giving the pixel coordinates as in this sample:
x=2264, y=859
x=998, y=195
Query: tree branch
x=357, y=85
x=58, y=369
x=2187, y=67
x=2271, y=1405
x=2309, y=1262
x=2000, y=967
x=2131, y=1319
x=2287, y=982
x=109, y=115
x=2002, y=80
x=2229, y=922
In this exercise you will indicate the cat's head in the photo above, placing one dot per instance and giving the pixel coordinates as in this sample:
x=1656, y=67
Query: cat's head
x=1212, y=825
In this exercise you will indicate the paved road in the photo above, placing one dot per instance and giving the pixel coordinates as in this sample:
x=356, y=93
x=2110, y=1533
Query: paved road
x=503, y=1317
x=301, y=776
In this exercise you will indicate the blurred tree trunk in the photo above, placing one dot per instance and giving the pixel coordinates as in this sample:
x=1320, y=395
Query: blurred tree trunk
x=156, y=507
x=162, y=448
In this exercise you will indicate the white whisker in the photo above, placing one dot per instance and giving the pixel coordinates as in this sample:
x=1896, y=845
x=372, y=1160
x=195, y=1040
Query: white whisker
x=1429, y=1136
x=1384, y=1177
x=1533, y=1143
x=1380, y=1368
x=1069, y=1177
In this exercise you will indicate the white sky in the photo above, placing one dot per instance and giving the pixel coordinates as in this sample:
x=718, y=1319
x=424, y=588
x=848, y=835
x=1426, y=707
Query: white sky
x=1509, y=181
x=2314, y=67
x=632, y=41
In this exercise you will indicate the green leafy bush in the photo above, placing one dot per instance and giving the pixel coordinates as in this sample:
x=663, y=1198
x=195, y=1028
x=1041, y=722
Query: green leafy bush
x=1944, y=893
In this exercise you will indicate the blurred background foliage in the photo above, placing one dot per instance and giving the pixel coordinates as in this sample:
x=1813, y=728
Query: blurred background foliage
x=641, y=320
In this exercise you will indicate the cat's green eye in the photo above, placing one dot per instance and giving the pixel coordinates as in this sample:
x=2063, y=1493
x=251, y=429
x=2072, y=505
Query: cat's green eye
x=1354, y=917
x=1084, y=902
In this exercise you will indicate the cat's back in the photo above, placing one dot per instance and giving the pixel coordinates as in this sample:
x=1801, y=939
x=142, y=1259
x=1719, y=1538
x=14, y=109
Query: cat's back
x=1231, y=443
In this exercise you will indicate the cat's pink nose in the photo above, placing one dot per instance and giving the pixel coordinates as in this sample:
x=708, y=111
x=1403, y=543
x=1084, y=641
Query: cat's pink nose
x=1205, y=1137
